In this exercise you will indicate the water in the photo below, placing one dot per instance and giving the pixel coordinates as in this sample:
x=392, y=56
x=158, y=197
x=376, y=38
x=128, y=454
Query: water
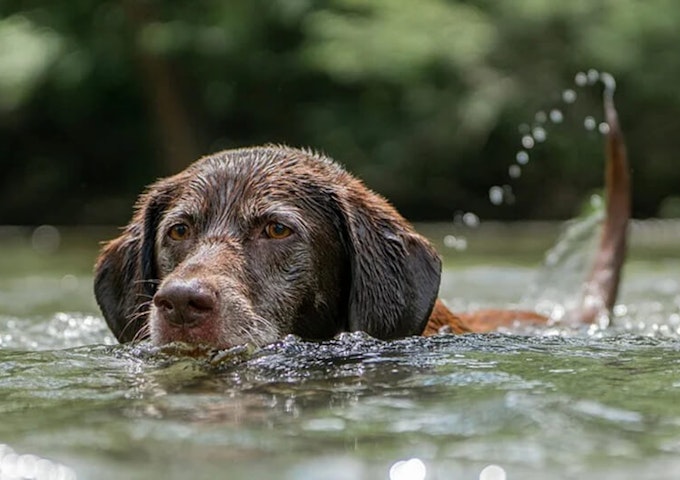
x=545, y=404
x=537, y=132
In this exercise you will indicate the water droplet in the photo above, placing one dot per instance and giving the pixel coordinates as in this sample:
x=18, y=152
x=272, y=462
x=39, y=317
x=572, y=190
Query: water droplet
x=581, y=79
x=541, y=116
x=471, y=220
x=590, y=123
x=522, y=157
x=569, y=96
x=413, y=469
x=539, y=134
x=528, y=141
x=596, y=201
x=496, y=195
x=593, y=76
x=450, y=241
x=514, y=171
x=603, y=127
x=524, y=128
x=46, y=239
x=557, y=313
x=492, y=472
x=456, y=243
x=556, y=116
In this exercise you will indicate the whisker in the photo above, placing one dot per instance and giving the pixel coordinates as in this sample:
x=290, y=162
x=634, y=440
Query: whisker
x=246, y=333
x=150, y=285
x=142, y=333
x=144, y=295
x=141, y=311
x=152, y=281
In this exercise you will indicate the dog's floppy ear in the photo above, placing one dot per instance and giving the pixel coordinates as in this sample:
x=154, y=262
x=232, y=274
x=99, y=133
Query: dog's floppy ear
x=126, y=273
x=395, y=272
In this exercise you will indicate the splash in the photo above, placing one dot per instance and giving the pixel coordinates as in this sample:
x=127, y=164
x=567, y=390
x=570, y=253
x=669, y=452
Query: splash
x=597, y=295
x=557, y=285
x=538, y=131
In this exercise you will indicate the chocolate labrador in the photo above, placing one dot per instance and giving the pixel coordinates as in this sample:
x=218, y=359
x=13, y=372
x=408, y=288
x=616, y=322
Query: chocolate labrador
x=252, y=244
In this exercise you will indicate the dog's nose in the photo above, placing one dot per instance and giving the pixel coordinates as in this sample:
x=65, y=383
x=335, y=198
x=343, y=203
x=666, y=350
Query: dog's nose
x=185, y=303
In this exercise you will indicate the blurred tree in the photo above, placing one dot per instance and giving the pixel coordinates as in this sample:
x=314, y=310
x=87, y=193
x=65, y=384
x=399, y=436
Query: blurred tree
x=155, y=41
x=427, y=101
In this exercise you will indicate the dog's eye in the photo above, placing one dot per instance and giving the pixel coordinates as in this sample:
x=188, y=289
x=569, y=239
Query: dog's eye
x=277, y=231
x=179, y=231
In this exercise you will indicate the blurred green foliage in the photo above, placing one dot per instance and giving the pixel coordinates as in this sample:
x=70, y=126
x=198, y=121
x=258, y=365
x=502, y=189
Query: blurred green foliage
x=424, y=100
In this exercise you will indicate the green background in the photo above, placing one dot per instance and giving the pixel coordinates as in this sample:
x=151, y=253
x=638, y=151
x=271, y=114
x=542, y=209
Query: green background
x=425, y=100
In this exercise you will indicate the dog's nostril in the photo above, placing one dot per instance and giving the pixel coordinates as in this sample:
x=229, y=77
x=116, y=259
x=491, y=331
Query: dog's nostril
x=202, y=301
x=185, y=303
x=163, y=303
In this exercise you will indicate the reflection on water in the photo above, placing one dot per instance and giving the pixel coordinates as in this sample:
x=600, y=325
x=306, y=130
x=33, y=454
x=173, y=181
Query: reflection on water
x=60, y=330
x=412, y=469
x=551, y=404
x=29, y=467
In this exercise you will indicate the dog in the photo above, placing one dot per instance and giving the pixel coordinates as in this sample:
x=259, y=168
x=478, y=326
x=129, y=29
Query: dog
x=249, y=245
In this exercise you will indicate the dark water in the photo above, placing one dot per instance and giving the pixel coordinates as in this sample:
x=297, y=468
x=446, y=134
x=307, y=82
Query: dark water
x=549, y=403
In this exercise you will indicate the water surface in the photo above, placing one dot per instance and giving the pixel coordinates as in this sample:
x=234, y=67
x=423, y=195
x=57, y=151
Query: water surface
x=550, y=403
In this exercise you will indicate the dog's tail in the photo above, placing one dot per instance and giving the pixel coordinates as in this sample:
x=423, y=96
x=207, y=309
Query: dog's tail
x=601, y=288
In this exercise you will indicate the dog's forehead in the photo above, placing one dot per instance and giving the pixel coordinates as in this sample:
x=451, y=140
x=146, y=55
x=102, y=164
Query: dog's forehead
x=269, y=169
x=237, y=185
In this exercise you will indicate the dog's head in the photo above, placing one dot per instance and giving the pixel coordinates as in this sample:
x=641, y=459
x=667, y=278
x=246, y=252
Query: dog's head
x=250, y=245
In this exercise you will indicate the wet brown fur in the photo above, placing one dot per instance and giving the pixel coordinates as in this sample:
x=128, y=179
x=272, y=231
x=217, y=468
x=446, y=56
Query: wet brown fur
x=352, y=263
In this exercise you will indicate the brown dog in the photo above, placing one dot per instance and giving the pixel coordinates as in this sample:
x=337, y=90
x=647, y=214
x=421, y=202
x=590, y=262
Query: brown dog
x=250, y=245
